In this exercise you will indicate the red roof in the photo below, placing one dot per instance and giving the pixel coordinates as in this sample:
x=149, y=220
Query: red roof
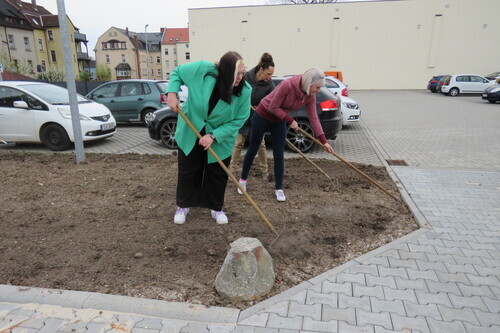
x=175, y=35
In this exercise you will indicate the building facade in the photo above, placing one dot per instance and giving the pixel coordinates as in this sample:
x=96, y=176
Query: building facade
x=130, y=55
x=175, y=49
x=31, y=37
x=396, y=44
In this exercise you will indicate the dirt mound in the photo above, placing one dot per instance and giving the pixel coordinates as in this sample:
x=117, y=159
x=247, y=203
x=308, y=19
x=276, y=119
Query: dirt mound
x=106, y=225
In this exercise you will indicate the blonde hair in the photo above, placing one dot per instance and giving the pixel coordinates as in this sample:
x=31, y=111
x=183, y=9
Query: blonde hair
x=313, y=76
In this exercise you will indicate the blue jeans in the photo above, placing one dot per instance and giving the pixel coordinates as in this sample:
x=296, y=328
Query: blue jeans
x=278, y=134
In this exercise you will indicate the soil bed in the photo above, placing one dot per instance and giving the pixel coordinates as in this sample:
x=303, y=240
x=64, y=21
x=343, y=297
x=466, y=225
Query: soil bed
x=106, y=225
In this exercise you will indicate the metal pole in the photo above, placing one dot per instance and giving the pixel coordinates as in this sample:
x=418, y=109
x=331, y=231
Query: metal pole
x=70, y=80
x=147, y=48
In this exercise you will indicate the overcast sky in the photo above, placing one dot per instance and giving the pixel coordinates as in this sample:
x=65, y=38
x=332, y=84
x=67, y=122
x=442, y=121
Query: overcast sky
x=94, y=17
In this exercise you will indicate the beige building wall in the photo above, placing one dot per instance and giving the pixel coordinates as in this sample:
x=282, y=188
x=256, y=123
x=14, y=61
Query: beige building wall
x=174, y=55
x=41, y=48
x=376, y=45
x=53, y=42
x=23, y=54
x=112, y=57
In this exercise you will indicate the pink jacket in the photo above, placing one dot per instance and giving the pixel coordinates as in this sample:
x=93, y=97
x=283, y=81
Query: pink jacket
x=288, y=97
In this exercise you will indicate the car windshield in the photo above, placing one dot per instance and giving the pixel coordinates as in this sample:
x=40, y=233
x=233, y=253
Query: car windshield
x=52, y=94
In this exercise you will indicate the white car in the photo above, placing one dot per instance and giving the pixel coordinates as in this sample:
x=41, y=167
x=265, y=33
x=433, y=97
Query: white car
x=336, y=86
x=40, y=112
x=465, y=83
x=350, y=110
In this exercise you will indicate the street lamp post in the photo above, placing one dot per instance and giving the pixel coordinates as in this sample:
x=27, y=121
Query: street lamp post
x=147, y=48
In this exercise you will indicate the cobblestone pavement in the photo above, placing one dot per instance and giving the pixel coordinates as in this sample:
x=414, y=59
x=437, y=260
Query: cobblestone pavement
x=442, y=278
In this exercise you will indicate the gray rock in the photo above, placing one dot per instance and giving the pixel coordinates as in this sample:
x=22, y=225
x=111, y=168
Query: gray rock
x=247, y=272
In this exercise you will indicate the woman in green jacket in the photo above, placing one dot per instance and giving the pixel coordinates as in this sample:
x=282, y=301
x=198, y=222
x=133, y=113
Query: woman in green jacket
x=218, y=105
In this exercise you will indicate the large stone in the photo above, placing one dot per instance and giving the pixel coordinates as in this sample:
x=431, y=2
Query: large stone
x=247, y=272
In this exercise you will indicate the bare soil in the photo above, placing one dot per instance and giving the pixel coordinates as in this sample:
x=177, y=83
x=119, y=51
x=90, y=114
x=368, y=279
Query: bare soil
x=106, y=225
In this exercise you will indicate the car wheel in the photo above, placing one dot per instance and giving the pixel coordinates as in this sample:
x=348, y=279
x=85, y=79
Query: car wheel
x=55, y=138
x=167, y=133
x=492, y=102
x=454, y=92
x=298, y=139
x=147, y=116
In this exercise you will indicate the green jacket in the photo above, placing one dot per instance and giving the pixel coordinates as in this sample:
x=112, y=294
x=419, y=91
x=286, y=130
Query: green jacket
x=225, y=119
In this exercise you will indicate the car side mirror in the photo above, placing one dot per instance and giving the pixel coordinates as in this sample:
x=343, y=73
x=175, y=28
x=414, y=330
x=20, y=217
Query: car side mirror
x=486, y=81
x=21, y=105
x=90, y=96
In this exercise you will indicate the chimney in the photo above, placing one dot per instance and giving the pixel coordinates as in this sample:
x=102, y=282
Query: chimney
x=33, y=2
x=162, y=30
x=126, y=31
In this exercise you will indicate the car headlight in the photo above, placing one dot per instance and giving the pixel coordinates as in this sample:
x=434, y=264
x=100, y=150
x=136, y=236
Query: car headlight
x=494, y=90
x=353, y=106
x=65, y=113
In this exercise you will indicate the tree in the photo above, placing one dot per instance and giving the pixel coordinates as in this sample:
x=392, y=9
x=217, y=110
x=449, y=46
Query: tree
x=52, y=74
x=103, y=72
x=84, y=76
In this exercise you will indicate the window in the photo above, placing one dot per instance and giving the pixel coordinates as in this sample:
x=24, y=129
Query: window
x=51, y=35
x=175, y=63
x=130, y=89
x=167, y=63
x=123, y=58
x=30, y=65
x=124, y=45
x=104, y=46
x=476, y=79
x=166, y=51
x=53, y=55
x=463, y=79
x=122, y=72
x=146, y=90
x=8, y=96
x=167, y=75
x=40, y=44
x=16, y=63
x=107, y=59
x=27, y=43
x=188, y=56
x=159, y=73
x=175, y=51
x=158, y=60
x=11, y=42
x=187, y=46
x=44, y=66
x=107, y=91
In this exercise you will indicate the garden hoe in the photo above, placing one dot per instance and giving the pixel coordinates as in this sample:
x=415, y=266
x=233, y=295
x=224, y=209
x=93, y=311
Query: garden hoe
x=352, y=167
x=179, y=110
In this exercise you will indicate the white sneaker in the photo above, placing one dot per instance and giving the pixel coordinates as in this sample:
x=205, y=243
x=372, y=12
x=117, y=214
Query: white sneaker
x=219, y=217
x=243, y=184
x=180, y=215
x=280, y=195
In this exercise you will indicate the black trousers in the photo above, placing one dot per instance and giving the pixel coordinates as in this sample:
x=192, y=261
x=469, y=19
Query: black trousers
x=200, y=184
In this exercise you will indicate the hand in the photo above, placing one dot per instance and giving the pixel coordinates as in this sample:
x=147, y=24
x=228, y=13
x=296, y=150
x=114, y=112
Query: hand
x=172, y=101
x=294, y=126
x=328, y=148
x=206, y=141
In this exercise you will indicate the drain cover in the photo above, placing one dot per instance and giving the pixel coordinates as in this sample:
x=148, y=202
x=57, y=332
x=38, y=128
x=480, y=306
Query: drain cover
x=396, y=162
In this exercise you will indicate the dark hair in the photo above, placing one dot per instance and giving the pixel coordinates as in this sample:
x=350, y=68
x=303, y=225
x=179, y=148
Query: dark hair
x=225, y=78
x=266, y=61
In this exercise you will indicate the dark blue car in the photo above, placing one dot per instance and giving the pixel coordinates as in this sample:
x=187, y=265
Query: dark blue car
x=432, y=85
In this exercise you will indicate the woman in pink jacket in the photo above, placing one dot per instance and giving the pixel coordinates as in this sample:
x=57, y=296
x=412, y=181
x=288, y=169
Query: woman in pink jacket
x=272, y=115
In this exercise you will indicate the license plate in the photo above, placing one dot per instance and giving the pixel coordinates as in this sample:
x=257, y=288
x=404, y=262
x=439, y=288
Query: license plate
x=106, y=127
x=484, y=95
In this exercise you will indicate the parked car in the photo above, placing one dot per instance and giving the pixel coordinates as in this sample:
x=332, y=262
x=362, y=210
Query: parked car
x=350, y=110
x=131, y=100
x=433, y=82
x=465, y=83
x=492, y=94
x=40, y=112
x=493, y=76
x=440, y=83
x=164, y=122
x=337, y=86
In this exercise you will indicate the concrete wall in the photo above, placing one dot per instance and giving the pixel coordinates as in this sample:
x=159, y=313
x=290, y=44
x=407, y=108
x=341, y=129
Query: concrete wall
x=376, y=45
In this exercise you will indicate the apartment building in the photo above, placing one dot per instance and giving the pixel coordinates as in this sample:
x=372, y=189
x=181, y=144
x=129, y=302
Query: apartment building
x=174, y=49
x=31, y=35
x=130, y=55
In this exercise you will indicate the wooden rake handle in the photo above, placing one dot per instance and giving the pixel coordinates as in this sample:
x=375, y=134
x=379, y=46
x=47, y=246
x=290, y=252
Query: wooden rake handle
x=179, y=110
x=351, y=166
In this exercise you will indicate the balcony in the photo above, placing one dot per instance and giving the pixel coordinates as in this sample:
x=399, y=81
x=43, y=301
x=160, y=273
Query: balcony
x=80, y=37
x=82, y=56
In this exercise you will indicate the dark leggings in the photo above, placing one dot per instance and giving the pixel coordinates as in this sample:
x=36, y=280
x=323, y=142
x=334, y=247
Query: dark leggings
x=278, y=134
